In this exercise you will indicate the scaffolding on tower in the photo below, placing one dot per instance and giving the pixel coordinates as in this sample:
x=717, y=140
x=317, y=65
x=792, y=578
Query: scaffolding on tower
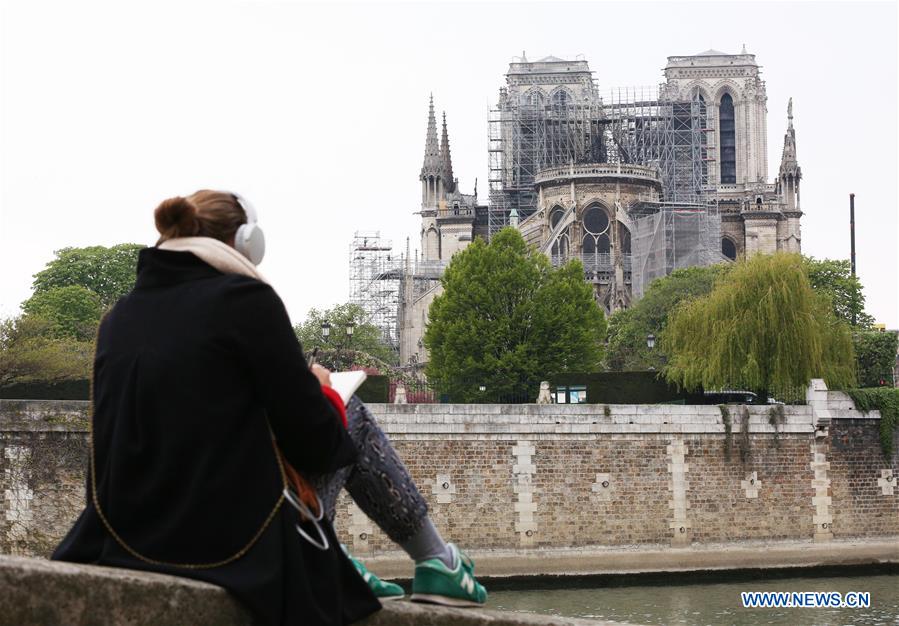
x=375, y=273
x=527, y=136
x=632, y=125
x=668, y=135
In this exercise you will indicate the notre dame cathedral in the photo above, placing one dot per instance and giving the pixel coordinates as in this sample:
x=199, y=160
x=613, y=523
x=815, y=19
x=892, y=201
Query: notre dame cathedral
x=634, y=183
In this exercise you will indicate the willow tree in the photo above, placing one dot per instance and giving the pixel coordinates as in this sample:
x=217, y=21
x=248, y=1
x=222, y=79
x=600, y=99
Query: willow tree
x=761, y=328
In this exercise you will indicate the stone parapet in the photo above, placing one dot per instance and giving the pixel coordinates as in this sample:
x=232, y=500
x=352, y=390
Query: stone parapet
x=35, y=592
x=44, y=415
x=597, y=171
x=492, y=420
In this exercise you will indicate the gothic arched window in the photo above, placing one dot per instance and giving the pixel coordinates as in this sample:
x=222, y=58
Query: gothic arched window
x=624, y=237
x=533, y=98
x=560, y=250
x=603, y=244
x=729, y=248
x=561, y=98
x=596, y=224
x=432, y=245
x=727, y=130
x=555, y=216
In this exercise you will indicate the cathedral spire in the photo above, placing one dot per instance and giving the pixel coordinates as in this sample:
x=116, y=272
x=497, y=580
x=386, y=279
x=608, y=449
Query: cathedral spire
x=790, y=173
x=431, y=165
x=788, y=160
x=445, y=158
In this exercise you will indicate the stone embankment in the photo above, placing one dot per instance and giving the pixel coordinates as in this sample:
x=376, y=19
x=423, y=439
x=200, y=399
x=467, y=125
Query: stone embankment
x=537, y=478
x=35, y=592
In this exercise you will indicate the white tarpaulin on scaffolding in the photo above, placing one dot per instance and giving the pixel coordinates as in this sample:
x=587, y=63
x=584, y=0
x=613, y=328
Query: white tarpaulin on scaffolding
x=671, y=238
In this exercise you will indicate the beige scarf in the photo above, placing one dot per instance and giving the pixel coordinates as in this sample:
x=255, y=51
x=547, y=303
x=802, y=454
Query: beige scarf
x=216, y=253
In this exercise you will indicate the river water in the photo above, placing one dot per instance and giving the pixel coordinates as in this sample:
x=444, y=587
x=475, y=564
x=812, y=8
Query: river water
x=710, y=604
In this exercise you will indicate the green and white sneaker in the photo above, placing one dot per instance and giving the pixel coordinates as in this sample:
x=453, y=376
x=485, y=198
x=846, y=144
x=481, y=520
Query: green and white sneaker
x=434, y=582
x=382, y=589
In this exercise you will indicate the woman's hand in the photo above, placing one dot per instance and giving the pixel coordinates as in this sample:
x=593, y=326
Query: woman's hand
x=323, y=374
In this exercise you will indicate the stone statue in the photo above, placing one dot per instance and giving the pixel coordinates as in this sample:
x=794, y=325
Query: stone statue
x=400, y=396
x=543, y=397
x=790, y=109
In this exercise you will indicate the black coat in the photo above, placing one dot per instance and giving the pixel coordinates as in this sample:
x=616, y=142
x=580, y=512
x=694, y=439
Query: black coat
x=192, y=368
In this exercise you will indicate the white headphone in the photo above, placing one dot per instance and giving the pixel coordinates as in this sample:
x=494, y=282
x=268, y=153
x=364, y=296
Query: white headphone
x=249, y=239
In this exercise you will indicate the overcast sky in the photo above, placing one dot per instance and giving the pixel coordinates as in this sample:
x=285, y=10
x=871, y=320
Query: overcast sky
x=317, y=113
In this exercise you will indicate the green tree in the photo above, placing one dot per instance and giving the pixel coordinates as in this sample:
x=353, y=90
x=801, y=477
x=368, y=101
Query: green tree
x=339, y=351
x=834, y=279
x=629, y=328
x=761, y=328
x=29, y=352
x=875, y=354
x=507, y=320
x=108, y=272
x=72, y=311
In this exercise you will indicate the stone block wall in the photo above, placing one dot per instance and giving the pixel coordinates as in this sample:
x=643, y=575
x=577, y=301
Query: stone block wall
x=43, y=463
x=767, y=497
x=572, y=476
x=761, y=236
x=865, y=494
x=587, y=491
x=525, y=477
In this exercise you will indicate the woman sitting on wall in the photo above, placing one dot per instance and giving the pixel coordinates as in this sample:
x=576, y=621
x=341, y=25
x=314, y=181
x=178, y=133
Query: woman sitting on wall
x=210, y=436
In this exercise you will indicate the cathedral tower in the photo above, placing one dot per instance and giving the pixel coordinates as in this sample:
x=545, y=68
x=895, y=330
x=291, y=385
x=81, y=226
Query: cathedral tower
x=431, y=190
x=447, y=215
x=448, y=222
x=736, y=101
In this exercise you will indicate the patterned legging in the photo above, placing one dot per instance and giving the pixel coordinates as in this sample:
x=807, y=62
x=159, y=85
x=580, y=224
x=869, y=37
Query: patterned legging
x=378, y=482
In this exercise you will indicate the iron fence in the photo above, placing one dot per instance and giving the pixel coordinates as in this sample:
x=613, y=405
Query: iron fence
x=578, y=388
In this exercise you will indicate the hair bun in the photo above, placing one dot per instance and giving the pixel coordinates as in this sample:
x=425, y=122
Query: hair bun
x=177, y=217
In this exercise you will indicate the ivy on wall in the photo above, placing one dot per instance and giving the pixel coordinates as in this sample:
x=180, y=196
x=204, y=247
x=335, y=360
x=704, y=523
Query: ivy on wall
x=885, y=400
x=728, y=430
x=777, y=417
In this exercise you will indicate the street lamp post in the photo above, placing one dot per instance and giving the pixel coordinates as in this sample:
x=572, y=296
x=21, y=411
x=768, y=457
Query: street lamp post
x=339, y=344
x=350, y=327
x=651, y=344
x=326, y=335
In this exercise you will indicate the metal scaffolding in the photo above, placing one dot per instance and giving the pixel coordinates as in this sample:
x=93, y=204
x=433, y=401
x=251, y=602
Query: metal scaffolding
x=670, y=136
x=527, y=137
x=375, y=273
x=632, y=126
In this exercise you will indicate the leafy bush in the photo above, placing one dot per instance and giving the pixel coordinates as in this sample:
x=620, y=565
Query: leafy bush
x=875, y=353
